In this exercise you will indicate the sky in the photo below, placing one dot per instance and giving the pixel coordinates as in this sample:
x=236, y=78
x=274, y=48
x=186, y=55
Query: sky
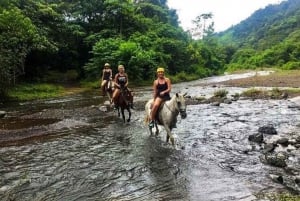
x=226, y=13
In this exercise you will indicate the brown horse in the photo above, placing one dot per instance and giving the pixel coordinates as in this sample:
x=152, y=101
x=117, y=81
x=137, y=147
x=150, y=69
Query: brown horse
x=124, y=101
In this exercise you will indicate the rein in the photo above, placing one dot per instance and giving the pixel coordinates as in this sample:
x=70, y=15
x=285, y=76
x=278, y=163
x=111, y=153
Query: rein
x=176, y=109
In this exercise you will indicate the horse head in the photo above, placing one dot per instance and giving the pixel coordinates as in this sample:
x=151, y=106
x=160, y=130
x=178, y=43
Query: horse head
x=180, y=100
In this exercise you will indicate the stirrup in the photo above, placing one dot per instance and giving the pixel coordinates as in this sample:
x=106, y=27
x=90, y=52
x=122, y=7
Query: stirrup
x=151, y=124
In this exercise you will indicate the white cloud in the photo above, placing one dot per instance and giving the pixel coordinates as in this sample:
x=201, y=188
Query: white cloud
x=225, y=12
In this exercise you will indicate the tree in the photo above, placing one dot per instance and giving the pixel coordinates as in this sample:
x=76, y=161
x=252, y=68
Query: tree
x=203, y=26
x=18, y=37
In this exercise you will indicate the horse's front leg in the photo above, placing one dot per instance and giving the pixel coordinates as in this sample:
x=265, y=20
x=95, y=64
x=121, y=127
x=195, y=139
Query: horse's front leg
x=123, y=114
x=118, y=112
x=169, y=135
x=150, y=129
x=129, y=114
x=156, y=127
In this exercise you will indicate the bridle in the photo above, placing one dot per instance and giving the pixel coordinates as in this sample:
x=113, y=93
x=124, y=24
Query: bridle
x=181, y=110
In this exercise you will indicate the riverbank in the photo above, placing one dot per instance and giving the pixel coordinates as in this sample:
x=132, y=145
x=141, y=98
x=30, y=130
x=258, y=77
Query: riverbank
x=273, y=79
x=277, y=79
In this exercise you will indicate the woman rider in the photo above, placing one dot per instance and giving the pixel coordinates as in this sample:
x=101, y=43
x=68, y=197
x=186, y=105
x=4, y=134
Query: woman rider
x=121, y=82
x=106, y=76
x=161, y=92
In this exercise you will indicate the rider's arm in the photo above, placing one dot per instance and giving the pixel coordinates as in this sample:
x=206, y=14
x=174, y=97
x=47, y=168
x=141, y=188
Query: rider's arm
x=169, y=86
x=116, y=81
x=102, y=75
x=154, y=89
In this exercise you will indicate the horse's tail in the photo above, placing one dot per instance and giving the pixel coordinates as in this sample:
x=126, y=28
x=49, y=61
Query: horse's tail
x=146, y=119
x=147, y=111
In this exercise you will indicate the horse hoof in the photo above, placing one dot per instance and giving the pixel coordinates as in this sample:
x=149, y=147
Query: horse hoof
x=128, y=120
x=172, y=141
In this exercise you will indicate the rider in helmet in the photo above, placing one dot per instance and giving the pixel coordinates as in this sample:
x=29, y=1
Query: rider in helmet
x=106, y=76
x=121, y=82
x=161, y=92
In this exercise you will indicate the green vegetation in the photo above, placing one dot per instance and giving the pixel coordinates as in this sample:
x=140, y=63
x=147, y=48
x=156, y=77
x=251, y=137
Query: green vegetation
x=221, y=93
x=279, y=197
x=39, y=37
x=268, y=38
x=183, y=77
x=25, y=92
x=254, y=93
x=274, y=93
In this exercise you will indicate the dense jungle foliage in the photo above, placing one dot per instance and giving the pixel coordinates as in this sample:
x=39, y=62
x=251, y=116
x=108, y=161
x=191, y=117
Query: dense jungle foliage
x=39, y=37
x=268, y=38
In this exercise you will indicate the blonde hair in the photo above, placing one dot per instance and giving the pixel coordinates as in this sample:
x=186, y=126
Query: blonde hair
x=120, y=66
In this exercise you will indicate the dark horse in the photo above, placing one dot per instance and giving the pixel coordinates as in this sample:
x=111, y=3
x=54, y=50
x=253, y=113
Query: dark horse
x=124, y=101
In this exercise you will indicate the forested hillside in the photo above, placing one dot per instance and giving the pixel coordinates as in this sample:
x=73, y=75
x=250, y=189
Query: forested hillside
x=268, y=38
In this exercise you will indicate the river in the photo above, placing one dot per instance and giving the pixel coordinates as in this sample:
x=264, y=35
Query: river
x=94, y=156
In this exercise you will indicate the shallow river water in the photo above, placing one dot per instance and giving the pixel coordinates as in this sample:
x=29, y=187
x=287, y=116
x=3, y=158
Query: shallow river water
x=100, y=158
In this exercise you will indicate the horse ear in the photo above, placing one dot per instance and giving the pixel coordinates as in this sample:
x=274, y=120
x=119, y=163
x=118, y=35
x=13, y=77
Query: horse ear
x=177, y=95
x=184, y=95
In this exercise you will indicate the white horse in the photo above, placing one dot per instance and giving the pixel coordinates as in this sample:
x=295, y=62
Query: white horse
x=167, y=114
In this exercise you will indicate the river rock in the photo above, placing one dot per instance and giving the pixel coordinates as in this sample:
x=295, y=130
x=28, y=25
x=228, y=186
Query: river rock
x=103, y=108
x=215, y=103
x=276, y=178
x=294, y=106
x=258, y=137
x=106, y=103
x=268, y=129
x=277, y=159
x=298, y=139
x=284, y=95
x=227, y=101
x=297, y=179
x=290, y=183
x=269, y=147
x=291, y=169
x=283, y=141
x=2, y=114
